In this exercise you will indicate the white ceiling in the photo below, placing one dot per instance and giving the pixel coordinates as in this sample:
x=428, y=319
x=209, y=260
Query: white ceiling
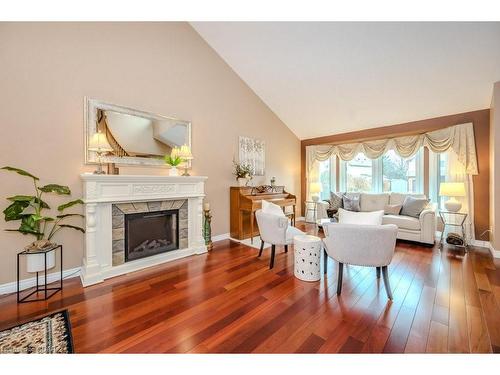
x=328, y=78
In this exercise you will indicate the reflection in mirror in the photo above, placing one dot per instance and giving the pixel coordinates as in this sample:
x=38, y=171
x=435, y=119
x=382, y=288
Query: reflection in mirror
x=135, y=137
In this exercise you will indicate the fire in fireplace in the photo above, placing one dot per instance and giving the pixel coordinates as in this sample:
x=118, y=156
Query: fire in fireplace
x=151, y=233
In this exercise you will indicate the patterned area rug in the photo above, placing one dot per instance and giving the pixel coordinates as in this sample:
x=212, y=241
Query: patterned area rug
x=50, y=334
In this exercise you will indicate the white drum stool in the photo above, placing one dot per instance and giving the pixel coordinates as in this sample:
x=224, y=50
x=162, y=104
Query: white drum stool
x=307, y=257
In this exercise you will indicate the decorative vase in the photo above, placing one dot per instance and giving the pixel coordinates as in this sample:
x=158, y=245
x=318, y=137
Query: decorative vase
x=36, y=262
x=452, y=205
x=173, y=171
x=242, y=181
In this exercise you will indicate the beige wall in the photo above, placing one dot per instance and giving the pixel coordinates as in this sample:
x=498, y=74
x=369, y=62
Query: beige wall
x=165, y=68
x=495, y=172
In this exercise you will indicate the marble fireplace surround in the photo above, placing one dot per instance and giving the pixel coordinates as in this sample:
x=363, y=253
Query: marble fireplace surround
x=102, y=192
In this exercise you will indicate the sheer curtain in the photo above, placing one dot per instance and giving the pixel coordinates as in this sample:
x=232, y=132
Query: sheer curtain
x=456, y=172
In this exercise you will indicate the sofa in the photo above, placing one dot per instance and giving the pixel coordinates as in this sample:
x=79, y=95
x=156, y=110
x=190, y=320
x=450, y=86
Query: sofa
x=421, y=229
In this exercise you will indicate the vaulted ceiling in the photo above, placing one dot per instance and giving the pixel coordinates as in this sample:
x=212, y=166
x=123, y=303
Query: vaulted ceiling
x=324, y=78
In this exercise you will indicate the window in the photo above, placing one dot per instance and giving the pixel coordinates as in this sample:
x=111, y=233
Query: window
x=399, y=175
x=389, y=173
x=438, y=172
x=359, y=174
x=327, y=173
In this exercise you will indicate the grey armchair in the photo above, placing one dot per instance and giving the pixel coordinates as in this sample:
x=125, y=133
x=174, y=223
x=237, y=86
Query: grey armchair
x=361, y=245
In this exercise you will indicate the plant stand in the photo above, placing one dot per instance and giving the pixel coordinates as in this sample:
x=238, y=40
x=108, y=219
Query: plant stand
x=39, y=288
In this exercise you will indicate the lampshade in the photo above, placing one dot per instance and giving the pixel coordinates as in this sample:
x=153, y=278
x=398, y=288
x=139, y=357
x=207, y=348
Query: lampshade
x=99, y=143
x=452, y=189
x=185, y=152
x=315, y=187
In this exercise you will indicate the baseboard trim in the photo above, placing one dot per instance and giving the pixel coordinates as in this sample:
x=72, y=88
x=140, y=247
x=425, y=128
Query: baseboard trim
x=486, y=244
x=31, y=282
x=494, y=252
x=220, y=237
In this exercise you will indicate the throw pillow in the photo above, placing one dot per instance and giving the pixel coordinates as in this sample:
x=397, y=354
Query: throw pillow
x=335, y=201
x=413, y=206
x=271, y=208
x=351, y=204
x=361, y=218
x=392, y=209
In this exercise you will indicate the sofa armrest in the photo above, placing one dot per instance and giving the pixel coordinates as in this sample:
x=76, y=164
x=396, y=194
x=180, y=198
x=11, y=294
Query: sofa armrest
x=427, y=220
x=426, y=214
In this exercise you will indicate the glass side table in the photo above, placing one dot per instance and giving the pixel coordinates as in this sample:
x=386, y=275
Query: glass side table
x=448, y=219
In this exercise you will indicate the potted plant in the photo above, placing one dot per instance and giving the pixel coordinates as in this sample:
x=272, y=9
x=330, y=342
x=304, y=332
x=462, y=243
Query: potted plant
x=29, y=210
x=243, y=173
x=174, y=160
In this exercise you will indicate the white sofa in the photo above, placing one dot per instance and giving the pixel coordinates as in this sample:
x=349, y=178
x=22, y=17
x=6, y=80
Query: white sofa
x=421, y=229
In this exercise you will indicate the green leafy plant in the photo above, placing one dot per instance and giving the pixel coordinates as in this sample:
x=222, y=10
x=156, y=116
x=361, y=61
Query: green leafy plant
x=173, y=161
x=242, y=170
x=28, y=209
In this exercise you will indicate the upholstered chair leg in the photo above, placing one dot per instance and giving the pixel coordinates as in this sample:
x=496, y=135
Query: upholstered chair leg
x=386, y=282
x=273, y=250
x=261, y=247
x=286, y=248
x=378, y=272
x=339, y=282
x=325, y=261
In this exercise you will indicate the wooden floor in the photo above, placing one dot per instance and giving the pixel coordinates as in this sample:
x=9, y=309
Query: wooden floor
x=229, y=301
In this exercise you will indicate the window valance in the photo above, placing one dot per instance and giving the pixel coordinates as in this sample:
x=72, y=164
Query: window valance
x=459, y=138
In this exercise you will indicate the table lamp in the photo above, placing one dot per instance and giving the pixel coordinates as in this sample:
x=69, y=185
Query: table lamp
x=99, y=143
x=452, y=190
x=186, y=155
x=314, y=189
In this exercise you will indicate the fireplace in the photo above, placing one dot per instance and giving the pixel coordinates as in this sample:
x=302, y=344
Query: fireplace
x=151, y=233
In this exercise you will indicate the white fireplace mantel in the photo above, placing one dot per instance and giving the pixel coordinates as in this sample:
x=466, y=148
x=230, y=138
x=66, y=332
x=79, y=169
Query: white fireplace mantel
x=100, y=192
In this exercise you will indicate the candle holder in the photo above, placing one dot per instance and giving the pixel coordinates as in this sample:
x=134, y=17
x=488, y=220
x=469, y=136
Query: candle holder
x=207, y=229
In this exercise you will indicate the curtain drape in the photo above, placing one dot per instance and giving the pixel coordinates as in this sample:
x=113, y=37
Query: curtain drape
x=459, y=138
x=457, y=173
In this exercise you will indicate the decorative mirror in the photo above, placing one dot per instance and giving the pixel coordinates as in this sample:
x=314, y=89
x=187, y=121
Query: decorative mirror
x=131, y=136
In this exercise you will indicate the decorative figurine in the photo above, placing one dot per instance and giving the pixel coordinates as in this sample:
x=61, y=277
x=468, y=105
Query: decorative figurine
x=207, y=230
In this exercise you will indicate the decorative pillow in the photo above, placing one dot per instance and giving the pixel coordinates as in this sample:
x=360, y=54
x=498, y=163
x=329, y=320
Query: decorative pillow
x=335, y=201
x=413, y=206
x=351, y=204
x=271, y=208
x=361, y=218
x=392, y=209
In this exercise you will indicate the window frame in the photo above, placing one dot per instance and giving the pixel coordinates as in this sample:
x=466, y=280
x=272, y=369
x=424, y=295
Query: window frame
x=378, y=173
x=332, y=160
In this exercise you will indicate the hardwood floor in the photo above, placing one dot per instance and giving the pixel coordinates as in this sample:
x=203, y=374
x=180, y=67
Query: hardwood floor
x=229, y=301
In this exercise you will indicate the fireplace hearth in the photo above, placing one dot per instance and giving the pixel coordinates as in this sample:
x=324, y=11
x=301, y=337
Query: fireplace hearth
x=151, y=233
